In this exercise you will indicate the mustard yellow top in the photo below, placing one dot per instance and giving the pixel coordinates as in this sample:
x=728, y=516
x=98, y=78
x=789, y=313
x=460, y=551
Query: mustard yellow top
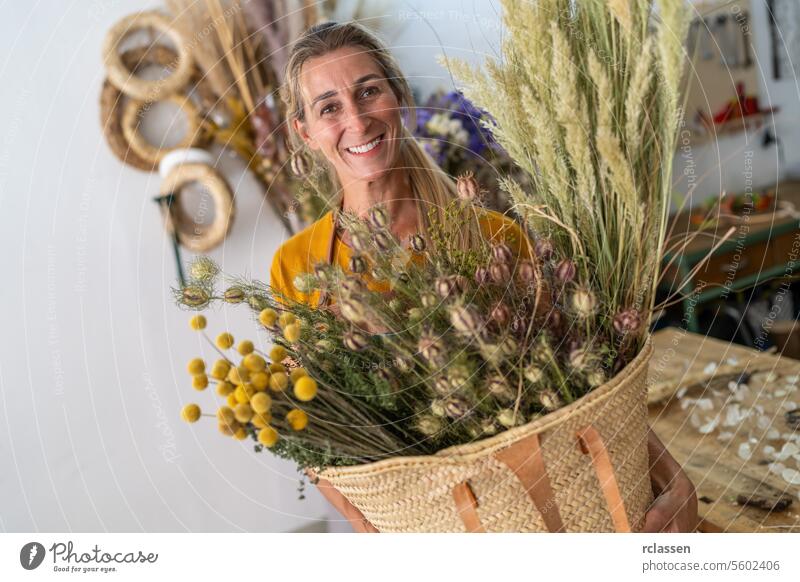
x=309, y=247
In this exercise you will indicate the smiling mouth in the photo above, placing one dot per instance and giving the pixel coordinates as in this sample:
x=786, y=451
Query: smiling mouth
x=367, y=147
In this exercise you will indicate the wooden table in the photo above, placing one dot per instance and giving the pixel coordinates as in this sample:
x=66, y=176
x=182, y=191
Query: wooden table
x=717, y=471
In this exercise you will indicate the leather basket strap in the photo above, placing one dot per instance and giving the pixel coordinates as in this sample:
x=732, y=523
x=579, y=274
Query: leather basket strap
x=467, y=505
x=526, y=461
x=592, y=444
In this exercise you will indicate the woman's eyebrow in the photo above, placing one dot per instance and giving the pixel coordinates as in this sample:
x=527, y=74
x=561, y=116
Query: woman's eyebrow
x=359, y=81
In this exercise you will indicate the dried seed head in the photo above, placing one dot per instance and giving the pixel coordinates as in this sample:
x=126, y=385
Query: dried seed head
x=415, y=314
x=358, y=264
x=526, y=272
x=395, y=305
x=355, y=341
x=442, y=386
x=378, y=217
x=467, y=186
x=488, y=426
x=482, y=276
x=459, y=376
x=383, y=241
x=584, y=303
x=533, y=373
x=359, y=241
x=596, y=378
x=582, y=360
x=429, y=300
x=499, y=388
x=627, y=321
x=519, y=326
x=465, y=319
x=417, y=243
x=444, y=286
x=437, y=408
x=193, y=296
x=502, y=253
x=429, y=425
x=233, y=295
x=430, y=349
x=403, y=364
x=456, y=407
x=565, y=270
x=544, y=249
x=500, y=272
x=507, y=418
x=549, y=399
x=500, y=313
x=352, y=311
x=203, y=269
x=460, y=283
x=509, y=346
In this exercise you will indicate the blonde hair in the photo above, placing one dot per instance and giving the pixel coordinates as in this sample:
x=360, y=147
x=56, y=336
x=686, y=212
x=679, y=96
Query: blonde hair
x=431, y=187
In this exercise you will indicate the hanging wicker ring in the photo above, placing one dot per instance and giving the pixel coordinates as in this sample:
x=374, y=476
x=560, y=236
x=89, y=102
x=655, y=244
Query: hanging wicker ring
x=194, y=236
x=124, y=79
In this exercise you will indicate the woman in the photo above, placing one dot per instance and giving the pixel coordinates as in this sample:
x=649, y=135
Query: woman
x=345, y=96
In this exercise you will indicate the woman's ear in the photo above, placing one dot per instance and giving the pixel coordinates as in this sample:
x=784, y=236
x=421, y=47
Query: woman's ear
x=300, y=128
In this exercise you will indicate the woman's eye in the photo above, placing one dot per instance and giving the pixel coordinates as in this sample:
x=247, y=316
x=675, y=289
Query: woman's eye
x=327, y=109
x=369, y=91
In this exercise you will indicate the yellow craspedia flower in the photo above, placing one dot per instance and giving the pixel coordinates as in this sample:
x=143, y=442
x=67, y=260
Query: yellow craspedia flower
x=224, y=389
x=259, y=380
x=224, y=341
x=305, y=388
x=260, y=402
x=254, y=362
x=278, y=381
x=243, y=412
x=286, y=318
x=200, y=382
x=297, y=373
x=245, y=347
x=225, y=415
x=268, y=317
x=240, y=434
x=228, y=429
x=231, y=400
x=261, y=420
x=292, y=332
x=190, y=413
x=297, y=419
x=277, y=354
x=220, y=369
x=276, y=367
x=197, y=322
x=238, y=375
x=268, y=436
x=240, y=395
x=196, y=366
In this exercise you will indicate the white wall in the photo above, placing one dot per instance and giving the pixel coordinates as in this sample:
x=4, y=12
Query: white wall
x=92, y=349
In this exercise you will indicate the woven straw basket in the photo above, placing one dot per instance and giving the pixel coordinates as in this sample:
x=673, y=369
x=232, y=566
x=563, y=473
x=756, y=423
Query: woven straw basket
x=582, y=468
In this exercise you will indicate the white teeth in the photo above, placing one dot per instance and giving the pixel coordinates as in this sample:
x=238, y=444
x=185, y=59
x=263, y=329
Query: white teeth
x=362, y=149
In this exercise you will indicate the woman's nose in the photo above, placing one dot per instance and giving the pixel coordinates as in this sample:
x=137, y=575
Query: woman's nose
x=357, y=120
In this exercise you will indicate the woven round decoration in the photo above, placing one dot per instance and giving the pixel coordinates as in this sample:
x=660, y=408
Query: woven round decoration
x=196, y=237
x=581, y=468
x=124, y=79
x=132, y=114
x=112, y=101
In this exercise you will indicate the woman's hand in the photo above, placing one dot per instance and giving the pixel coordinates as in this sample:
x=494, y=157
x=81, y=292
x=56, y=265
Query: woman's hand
x=675, y=506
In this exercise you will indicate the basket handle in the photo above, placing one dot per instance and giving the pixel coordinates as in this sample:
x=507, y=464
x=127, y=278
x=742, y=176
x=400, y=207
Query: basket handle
x=526, y=461
x=591, y=443
x=466, y=505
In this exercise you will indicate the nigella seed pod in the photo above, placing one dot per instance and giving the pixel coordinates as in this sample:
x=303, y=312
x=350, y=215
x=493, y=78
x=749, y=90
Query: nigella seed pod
x=565, y=271
x=582, y=359
x=526, y=272
x=383, y=241
x=417, y=243
x=458, y=376
x=378, y=217
x=437, y=408
x=194, y=296
x=233, y=295
x=403, y=278
x=482, y=276
x=502, y=253
x=519, y=326
x=355, y=341
x=509, y=346
x=204, y=269
x=507, y=418
x=499, y=388
x=403, y=364
x=501, y=314
x=358, y=264
x=544, y=249
x=500, y=272
x=595, y=378
x=465, y=319
x=444, y=286
x=460, y=283
x=456, y=407
x=359, y=241
x=549, y=399
x=584, y=303
x=533, y=373
x=429, y=300
x=627, y=321
x=351, y=311
x=429, y=425
x=467, y=186
x=351, y=285
x=430, y=349
x=442, y=386
x=488, y=426
x=553, y=319
x=415, y=314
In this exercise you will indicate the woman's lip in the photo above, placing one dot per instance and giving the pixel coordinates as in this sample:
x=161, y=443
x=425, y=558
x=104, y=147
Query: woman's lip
x=370, y=152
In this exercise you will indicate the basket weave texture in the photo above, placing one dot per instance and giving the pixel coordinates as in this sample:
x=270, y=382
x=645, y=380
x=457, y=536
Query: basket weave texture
x=415, y=494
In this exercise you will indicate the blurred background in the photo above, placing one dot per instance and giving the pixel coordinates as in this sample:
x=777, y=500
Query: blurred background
x=93, y=351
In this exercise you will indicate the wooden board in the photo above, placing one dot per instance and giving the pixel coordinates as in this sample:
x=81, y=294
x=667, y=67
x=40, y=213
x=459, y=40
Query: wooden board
x=718, y=473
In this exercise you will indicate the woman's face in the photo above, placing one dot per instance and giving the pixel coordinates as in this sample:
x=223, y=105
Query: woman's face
x=351, y=114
